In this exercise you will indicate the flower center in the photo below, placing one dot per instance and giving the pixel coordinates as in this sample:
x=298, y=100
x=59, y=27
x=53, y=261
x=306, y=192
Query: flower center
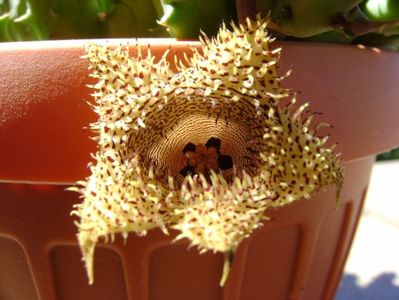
x=202, y=159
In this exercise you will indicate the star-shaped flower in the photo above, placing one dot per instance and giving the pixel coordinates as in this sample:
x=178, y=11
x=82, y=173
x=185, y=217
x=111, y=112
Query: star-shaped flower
x=204, y=150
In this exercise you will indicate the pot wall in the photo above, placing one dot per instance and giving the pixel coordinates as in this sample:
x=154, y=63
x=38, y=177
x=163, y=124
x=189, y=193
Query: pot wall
x=299, y=254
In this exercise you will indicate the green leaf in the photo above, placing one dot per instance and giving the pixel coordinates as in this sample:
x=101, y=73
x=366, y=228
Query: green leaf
x=186, y=18
x=381, y=10
x=67, y=19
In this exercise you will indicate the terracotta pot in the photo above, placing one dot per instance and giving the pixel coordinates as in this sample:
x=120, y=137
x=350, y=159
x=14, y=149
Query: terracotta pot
x=300, y=254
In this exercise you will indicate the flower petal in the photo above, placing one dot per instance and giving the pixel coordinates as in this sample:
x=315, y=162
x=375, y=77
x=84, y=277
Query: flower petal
x=218, y=215
x=119, y=197
x=296, y=161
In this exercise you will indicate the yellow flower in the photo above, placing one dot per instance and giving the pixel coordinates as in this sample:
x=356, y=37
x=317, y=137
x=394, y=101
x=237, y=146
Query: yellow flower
x=203, y=146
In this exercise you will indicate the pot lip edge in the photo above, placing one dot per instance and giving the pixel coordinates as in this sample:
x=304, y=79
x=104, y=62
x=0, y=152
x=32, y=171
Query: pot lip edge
x=79, y=43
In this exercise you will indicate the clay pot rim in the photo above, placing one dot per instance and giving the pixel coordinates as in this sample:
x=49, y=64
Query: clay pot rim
x=77, y=43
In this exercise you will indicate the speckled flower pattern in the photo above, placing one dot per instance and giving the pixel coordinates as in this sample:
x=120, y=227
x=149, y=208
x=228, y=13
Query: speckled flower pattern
x=155, y=118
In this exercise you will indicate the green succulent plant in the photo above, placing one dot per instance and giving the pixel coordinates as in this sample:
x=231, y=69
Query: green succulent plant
x=381, y=10
x=305, y=18
x=65, y=19
x=186, y=18
x=22, y=20
x=370, y=22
